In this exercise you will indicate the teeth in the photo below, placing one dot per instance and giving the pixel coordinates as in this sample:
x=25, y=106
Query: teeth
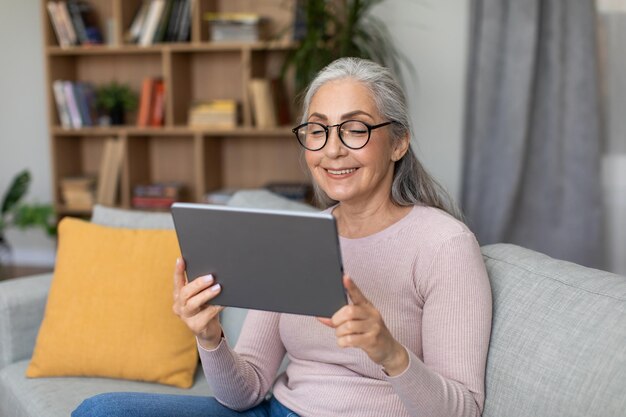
x=342, y=172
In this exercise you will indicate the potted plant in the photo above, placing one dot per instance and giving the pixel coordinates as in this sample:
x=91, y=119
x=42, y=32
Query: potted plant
x=335, y=29
x=116, y=99
x=22, y=216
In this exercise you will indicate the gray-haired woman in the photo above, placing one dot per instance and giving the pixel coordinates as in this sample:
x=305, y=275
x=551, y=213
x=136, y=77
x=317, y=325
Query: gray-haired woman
x=414, y=339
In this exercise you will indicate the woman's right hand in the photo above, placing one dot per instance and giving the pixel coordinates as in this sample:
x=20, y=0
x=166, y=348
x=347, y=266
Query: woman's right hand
x=190, y=304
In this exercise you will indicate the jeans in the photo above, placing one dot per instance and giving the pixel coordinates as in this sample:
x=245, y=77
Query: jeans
x=135, y=404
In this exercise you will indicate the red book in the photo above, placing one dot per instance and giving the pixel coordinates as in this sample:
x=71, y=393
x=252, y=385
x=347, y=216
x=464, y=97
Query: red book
x=145, y=102
x=158, y=106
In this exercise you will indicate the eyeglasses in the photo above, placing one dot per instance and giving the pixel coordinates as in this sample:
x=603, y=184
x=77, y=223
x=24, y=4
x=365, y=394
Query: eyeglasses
x=352, y=133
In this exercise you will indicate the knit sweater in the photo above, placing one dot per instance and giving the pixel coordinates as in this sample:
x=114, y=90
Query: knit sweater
x=426, y=276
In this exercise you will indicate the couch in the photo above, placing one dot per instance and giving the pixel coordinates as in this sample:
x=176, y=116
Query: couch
x=558, y=344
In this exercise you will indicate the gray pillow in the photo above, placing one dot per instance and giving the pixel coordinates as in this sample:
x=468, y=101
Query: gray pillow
x=265, y=199
x=131, y=219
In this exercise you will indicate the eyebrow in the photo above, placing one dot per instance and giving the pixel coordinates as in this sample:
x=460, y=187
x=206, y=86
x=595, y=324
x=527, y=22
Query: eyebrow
x=343, y=116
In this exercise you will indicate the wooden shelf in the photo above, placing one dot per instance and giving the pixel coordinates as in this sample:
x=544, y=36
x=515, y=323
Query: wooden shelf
x=169, y=47
x=173, y=130
x=202, y=159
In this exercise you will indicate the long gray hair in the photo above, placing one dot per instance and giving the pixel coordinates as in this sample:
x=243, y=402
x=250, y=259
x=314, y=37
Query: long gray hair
x=412, y=184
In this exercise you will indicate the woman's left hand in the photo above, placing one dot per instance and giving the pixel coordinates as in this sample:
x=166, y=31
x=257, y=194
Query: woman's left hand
x=360, y=325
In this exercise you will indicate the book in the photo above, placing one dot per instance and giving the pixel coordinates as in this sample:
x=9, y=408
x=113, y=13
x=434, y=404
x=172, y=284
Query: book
x=152, y=21
x=157, y=110
x=184, y=25
x=159, y=35
x=134, y=32
x=109, y=173
x=78, y=193
x=262, y=103
x=145, y=101
x=72, y=104
x=66, y=20
x=153, y=202
x=85, y=22
x=214, y=113
x=159, y=190
x=62, y=109
x=57, y=24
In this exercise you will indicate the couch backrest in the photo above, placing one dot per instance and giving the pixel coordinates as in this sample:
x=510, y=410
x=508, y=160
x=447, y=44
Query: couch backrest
x=558, y=342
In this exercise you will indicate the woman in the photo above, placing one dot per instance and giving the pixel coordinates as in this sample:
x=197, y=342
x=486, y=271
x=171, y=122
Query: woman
x=413, y=341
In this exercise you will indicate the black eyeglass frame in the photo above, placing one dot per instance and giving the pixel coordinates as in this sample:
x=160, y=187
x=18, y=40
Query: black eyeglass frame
x=338, y=126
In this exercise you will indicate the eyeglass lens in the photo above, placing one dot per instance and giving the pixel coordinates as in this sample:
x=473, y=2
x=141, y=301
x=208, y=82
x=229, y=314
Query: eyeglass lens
x=353, y=133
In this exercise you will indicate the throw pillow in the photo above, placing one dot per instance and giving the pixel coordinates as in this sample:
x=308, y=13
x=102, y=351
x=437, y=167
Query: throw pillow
x=109, y=311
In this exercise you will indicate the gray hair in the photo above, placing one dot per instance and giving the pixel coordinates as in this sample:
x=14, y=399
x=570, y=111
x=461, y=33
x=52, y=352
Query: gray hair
x=412, y=184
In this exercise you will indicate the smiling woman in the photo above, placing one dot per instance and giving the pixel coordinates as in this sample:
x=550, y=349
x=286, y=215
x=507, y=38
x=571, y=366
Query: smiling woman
x=412, y=342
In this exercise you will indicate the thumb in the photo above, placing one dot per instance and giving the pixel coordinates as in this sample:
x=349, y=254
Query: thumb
x=354, y=292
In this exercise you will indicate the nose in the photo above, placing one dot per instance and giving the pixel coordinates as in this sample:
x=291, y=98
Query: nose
x=334, y=147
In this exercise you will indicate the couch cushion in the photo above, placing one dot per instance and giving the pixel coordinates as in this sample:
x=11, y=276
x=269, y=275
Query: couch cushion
x=109, y=311
x=57, y=397
x=131, y=219
x=558, y=343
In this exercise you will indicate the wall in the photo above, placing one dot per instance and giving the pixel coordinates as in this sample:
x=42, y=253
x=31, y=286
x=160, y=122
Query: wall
x=23, y=123
x=432, y=34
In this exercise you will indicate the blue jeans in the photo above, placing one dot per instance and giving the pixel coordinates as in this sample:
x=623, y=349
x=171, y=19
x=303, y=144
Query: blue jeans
x=135, y=404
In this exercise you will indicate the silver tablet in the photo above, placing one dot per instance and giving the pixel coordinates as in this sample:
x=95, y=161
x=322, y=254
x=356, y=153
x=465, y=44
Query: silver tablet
x=281, y=261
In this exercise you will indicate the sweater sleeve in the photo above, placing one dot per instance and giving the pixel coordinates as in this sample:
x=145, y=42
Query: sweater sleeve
x=241, y=378
x=456, y=325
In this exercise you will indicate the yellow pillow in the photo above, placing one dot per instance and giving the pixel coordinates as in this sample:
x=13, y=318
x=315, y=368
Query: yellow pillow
x=109, y=310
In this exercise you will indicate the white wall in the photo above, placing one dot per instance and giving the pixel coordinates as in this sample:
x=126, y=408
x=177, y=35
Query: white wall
x=432, y=34
x=23, y=124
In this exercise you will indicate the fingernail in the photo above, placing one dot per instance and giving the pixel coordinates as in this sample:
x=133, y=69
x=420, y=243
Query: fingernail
x=177, y=261
x=208, y=278
x=216, y=288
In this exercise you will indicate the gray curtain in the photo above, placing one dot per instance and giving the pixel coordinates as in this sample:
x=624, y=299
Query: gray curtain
x=532, y=145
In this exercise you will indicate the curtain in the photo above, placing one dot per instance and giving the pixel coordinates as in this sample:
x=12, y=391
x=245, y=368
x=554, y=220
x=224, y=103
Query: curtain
x=532, y=143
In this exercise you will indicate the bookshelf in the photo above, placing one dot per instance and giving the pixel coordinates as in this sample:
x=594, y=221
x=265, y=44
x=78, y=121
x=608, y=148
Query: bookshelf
x=201, y=159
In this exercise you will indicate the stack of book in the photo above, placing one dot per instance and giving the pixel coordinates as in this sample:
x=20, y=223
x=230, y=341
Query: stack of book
x=74, y=23
x=76, y=103
x=161, y=21
x=234, y=27
x=78, y=192
x=214, y=114
x=151, y=103
x=157, y=196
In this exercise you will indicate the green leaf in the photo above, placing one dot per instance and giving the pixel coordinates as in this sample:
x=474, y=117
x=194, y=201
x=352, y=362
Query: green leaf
x=16, y=191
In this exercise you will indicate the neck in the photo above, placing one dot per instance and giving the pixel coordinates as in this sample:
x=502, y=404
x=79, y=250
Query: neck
x=356, y=221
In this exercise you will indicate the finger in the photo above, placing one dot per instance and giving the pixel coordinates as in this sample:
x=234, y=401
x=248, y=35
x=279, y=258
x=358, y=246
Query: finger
x=348, y=313
x=195, y=303
x=355, y=327
x=326, y=321
x=179, y=276
x=354, y=292
x=353, y=340
x=197, y=285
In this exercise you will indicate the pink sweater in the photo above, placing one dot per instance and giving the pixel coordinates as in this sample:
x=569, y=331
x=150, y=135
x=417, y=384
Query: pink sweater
x=426, y=276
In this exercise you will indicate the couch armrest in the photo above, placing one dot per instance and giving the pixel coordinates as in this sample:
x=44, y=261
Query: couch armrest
x=22, y=305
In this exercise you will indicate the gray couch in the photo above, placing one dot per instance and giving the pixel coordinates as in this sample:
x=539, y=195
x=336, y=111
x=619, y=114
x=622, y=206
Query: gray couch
x=558, y=345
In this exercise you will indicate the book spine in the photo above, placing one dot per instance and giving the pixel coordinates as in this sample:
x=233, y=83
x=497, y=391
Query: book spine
x=67, y=22
x=145, y=102
x=56, y=24
x=79, y=25
x=158, y=107
x=152, y=22
x=62, y=110
x=83, y=105
x=72, y=105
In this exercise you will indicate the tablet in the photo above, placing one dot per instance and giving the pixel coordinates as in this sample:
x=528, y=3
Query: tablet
x=282, y=261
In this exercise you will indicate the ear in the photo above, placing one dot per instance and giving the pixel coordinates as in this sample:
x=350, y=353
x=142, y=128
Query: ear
x=401, y=148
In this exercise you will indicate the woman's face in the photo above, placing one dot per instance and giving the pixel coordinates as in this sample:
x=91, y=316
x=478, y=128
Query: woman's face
x=347, y=175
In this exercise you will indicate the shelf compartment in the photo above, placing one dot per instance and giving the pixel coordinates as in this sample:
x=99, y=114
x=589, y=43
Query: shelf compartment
x=254, y=162
x=169, y=158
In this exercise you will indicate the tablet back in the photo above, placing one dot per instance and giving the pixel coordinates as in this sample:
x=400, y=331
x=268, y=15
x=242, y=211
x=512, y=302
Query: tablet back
x=265, y=260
